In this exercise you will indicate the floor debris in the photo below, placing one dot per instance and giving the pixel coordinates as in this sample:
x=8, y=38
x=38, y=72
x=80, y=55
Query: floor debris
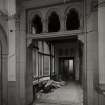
x=47, y=86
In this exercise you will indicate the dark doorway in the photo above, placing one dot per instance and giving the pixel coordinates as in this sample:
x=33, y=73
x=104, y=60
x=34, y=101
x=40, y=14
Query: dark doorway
x=67, y=71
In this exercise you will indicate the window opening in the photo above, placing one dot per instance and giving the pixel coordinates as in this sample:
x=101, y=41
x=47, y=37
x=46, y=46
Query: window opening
x=36, y=25
x=72, y=22
x=53, y=23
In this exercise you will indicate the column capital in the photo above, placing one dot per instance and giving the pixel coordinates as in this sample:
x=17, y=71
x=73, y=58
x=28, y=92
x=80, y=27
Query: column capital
x=101, y=3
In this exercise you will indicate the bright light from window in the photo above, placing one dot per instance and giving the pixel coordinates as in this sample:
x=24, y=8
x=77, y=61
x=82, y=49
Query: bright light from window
x=70, y=65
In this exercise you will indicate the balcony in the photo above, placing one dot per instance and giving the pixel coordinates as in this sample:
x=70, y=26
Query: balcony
x=55, y=35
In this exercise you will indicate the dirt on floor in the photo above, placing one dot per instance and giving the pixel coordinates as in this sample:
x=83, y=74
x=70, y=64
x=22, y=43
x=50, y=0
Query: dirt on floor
x=69, y=94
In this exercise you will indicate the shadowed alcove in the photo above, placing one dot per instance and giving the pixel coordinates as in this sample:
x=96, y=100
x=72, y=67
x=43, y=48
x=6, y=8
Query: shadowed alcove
x=53, y=22
x=36, y=25
x=72, y=21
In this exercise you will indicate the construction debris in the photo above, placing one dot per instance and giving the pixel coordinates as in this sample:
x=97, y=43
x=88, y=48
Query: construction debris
x=49, y=86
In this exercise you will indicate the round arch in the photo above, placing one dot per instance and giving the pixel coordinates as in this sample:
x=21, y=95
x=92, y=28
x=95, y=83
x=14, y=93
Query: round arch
x=33, y=13
x=31, y=17
x=70, y=9
x=49, y=12
x=53, y=22
x=36, y=24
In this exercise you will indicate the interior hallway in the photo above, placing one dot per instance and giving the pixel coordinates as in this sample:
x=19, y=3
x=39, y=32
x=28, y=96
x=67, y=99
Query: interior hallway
x=70, y=94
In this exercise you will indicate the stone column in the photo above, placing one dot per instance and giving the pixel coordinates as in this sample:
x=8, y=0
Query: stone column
x=101, y=40
x=12, y=93
x=25, y=70
x=62, y=24
x=44, y=22
x=91, y=51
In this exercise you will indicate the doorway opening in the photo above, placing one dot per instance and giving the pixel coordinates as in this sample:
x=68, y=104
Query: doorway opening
x=66, y=71
x=67, y=74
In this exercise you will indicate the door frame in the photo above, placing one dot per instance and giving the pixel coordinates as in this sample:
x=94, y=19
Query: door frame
x=66, y=58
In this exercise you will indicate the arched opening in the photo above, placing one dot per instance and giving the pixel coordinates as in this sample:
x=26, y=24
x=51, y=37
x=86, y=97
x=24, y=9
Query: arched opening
x=72, y=21
x=36, y=25
x=53, y=22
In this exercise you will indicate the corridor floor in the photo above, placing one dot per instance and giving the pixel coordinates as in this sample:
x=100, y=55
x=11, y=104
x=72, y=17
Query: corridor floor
x=70, y=94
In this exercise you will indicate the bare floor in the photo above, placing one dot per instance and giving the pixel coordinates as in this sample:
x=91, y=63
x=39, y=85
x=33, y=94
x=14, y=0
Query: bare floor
x=70, y=94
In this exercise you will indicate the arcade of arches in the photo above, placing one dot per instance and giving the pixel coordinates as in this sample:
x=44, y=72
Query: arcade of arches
x=59, y=40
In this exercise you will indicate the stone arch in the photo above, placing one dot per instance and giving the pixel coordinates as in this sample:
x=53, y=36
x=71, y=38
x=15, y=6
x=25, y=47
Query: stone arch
x=74, y=12
x=3, y=66
x=32, y=16
x=36, y=24
x=49, y=12
x=53, y=22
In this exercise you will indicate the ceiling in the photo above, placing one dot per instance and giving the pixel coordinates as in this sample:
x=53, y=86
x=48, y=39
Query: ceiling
x=20, y=1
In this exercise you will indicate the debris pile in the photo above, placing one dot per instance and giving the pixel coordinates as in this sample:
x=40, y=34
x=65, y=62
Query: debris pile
x=51, y=84
x=48, y=86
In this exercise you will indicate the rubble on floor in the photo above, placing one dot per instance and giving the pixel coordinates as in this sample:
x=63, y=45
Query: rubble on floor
x=51, y=84
x=47, y=86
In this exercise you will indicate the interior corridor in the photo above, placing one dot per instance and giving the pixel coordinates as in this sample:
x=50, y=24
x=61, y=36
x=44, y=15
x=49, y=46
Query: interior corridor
x=69, y=94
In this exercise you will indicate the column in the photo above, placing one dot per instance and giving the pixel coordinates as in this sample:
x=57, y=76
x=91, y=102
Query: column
x=101, y=39
x=91, y=52
x=45, y=28
x=63, y=28
x=12, y=93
